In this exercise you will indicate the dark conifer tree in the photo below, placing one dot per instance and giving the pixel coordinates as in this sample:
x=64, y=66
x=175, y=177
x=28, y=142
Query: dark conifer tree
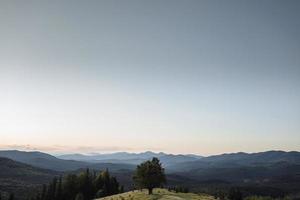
x=99, y=182
x=235, y=194
x=106, y=182
x=59, y=189
x=70, y=186
x=114, y=186
x=11, y=197
x=86, y=185
x=51, y=190
x=44, y=192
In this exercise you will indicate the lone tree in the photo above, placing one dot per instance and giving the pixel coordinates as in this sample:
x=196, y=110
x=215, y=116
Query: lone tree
x=149, y=174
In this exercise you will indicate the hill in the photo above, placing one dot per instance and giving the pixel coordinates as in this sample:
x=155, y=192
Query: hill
x=240, y=159
x=47, y=161
x=20, y=178
x=43, y=160
x=159, y=194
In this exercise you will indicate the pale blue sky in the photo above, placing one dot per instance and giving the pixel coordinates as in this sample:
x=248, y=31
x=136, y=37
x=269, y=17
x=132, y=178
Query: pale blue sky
x=200, y=77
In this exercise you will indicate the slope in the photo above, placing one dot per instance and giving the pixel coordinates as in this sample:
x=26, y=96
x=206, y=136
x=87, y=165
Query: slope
x=20, y=178
x=159, y=194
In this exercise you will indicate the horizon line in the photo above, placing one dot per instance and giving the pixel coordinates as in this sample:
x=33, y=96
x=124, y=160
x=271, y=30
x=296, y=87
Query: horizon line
x=90, y=153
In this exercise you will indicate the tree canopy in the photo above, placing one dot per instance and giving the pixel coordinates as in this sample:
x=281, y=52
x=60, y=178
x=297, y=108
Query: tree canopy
x=149, y=174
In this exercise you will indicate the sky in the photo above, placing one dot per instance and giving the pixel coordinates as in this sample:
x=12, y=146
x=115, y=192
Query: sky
x=203, y=77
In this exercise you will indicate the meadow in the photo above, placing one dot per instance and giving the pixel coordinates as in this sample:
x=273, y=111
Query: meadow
x=158, y=194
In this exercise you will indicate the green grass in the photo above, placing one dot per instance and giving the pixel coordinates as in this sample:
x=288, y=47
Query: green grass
x=158, y=194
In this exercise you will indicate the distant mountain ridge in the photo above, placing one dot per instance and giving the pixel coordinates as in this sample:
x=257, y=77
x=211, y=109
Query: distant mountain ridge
x=270, y=156
x=240, y=159
x=170, y=161
x=42, y=160
x=47, y=161
x=131, y=158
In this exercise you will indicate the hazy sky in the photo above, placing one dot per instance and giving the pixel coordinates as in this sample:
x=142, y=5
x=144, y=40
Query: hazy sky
x=183, y=76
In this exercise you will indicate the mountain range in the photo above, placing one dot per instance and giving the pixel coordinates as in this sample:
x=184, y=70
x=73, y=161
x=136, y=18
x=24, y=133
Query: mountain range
x=277, y=171
x=47, y=161
x=131, y=158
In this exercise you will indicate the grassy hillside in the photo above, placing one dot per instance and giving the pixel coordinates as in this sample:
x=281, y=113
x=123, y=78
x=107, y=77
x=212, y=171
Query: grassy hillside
x=158, y=194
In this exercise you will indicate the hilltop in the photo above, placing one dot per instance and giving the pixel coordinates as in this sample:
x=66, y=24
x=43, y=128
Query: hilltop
x=158, y=194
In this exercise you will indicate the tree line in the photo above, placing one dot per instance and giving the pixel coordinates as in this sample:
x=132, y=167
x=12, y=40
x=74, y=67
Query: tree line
x=10, y=197
x=84, y=186
x=237, y=193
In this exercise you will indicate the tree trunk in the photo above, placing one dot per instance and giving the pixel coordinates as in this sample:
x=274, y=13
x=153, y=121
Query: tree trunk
x=150, y=190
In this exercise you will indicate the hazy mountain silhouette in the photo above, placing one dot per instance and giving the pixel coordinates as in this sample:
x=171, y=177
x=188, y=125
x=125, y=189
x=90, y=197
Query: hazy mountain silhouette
x=173, y=163
x=240, y=159
x=46, y=161
x=131, y=158
x=43, y=160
